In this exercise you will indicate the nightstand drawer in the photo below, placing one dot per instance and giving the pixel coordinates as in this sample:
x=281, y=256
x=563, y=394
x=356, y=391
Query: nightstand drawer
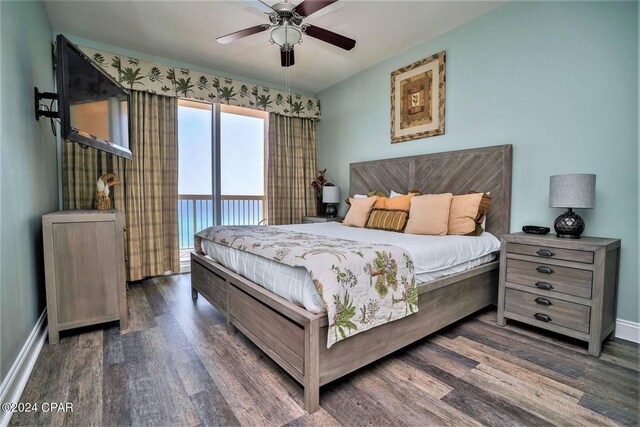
x=554, y=278
x=315, y=219
x=552, y=311
x=551, y=253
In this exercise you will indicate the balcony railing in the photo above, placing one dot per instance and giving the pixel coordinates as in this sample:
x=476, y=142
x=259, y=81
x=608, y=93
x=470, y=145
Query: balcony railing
x=195, y=213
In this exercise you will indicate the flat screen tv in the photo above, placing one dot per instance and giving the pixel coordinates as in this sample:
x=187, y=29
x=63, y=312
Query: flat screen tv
x=93, y=107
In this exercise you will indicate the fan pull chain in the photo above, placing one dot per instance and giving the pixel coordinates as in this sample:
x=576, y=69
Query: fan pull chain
x=287, y=85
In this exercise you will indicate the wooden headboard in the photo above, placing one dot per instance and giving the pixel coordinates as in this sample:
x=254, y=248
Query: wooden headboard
x=485, y=169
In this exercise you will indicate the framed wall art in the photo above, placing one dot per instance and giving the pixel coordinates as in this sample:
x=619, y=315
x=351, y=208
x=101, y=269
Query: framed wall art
x=417, y=99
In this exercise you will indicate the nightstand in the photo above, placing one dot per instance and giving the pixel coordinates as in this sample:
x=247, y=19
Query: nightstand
x=563, y=285
x=312, y=219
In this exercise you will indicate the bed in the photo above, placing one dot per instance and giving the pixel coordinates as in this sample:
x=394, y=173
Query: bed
x=433, y=257
x=295, y=337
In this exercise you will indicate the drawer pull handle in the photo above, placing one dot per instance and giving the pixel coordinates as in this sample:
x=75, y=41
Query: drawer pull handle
x=542, y=317
x=544, y=285
x=545, y=270
x=543, y=301
x=545, y=252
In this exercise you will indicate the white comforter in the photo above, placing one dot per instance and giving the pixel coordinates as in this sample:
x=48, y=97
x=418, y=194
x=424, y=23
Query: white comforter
x=433, y=257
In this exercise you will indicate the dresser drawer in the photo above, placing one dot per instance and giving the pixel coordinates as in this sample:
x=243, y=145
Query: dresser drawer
x=551, y=253
x=543, y=310
x=564, y=280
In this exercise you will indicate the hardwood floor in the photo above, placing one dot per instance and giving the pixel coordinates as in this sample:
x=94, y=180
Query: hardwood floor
x=176, y=365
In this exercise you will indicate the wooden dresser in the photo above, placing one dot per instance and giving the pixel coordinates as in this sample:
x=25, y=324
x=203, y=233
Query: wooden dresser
x=564, y=285
x=84, y=269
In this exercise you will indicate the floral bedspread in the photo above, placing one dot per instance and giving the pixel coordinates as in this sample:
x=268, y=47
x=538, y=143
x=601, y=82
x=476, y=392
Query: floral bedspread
x=362, y=285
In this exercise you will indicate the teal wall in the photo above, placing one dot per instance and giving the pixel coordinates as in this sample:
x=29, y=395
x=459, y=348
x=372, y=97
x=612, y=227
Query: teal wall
x=558, y=80
x=28, y=185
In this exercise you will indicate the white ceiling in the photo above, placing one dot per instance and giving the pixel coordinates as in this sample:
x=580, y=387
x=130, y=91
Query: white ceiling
x=186, y=31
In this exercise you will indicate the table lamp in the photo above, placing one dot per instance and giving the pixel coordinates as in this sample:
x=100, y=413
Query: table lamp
x=331, y=195
x=570, y=192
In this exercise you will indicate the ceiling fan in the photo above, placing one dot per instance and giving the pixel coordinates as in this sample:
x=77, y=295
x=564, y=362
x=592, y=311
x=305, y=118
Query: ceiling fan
x=287, y=27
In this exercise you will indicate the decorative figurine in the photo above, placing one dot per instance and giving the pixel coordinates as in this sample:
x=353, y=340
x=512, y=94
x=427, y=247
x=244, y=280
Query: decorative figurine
x=103, y=202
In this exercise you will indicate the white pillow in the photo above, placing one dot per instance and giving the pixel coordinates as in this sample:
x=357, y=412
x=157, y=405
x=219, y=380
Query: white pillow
x=360, y=196
x=394, y=194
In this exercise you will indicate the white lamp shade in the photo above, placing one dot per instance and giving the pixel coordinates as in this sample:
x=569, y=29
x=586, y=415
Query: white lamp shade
x=286, y=35
x=331, y=194
x=572, y=191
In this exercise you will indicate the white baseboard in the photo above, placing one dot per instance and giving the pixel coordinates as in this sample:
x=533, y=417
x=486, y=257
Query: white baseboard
x=13, y=385
x=629, y=331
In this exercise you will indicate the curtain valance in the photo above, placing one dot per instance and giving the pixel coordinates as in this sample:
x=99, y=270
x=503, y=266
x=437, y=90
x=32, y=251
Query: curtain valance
x=161, y=79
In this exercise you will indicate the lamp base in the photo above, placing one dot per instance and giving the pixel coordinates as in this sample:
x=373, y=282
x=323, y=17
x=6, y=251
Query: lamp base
x=569, y=225
x=331, y=211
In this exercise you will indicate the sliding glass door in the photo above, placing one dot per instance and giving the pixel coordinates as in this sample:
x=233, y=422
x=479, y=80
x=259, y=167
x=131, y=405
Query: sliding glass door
x=195, y=174
x=242, y=165
x=221, y=176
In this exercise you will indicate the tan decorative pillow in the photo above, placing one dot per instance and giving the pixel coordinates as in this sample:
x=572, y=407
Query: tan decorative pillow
x=429, y=214
x=359, y=211
x=388, y=219
x=467, y=213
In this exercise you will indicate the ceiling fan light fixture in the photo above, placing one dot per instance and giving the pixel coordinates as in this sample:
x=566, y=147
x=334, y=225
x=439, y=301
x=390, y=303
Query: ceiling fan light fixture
x=287, y=28
x=286, y=35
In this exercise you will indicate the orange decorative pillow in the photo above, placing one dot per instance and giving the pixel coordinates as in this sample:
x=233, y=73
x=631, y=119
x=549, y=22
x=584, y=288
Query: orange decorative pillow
x=359, y=211
x=429, y=214
x=388, y=219
x=380, y=203
x=467, y=213
x=402, y=203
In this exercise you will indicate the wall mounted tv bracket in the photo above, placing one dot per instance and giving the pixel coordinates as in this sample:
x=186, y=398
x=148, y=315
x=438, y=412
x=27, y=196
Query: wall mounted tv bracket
x=47, y=111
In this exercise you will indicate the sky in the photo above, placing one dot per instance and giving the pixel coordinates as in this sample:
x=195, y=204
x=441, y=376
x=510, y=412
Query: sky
x=241, y=153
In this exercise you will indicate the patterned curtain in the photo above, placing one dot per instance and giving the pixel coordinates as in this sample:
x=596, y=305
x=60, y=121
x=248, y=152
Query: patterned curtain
x=81, y=168
x=148, y=193
x=151, y=194
x=162, y=79
x=292, y=165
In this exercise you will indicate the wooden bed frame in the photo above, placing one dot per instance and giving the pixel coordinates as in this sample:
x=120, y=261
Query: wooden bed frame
x=296, y=338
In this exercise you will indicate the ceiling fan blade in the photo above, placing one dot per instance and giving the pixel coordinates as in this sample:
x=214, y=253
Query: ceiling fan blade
x=242, y=33
x=330, y=37
x=260, y=5
x=287, y=58
x=307, y=7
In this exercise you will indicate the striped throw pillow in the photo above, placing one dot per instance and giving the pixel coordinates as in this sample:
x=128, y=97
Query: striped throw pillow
x=388, y=219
